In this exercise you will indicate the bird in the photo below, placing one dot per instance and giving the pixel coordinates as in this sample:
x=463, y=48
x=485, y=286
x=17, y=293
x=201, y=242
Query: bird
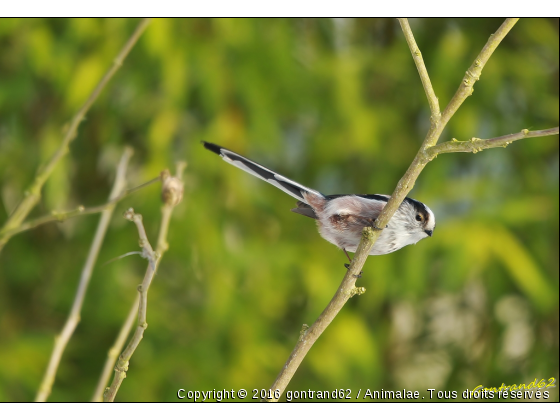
x=341, y=217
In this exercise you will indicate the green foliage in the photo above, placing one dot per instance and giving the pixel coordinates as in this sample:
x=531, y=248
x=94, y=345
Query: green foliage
x=334, y=104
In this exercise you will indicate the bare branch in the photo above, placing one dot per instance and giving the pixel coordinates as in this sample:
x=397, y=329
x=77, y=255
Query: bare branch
x=308, y=337
x=153, y=258
x=405, y=184
x=475, y=145
x=418, y=60
x=79, y=211
x=472, y=76
x=33, y=193
x=172, y=193
x=74, y=317
x=114, y=351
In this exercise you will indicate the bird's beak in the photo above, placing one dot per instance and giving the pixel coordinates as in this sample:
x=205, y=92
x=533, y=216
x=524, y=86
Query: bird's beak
x=429, y=232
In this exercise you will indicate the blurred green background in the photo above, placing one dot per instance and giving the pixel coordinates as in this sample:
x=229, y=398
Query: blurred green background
x=334, y=104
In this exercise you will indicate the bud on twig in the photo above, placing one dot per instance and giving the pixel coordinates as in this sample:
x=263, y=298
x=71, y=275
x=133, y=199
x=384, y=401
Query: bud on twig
x=171, y=189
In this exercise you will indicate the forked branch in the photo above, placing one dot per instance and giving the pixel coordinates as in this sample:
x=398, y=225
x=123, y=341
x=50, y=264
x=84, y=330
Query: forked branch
x=172, y=194
x=427, y=152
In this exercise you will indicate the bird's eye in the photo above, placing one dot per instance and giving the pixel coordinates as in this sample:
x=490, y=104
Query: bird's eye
x=419, y=217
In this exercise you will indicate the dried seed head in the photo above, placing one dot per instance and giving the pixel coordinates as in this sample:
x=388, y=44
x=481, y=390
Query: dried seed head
x=171, y=189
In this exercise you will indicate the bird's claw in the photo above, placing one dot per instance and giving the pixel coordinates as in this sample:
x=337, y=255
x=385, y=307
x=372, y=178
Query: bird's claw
x=373, y=226
x=355, y=275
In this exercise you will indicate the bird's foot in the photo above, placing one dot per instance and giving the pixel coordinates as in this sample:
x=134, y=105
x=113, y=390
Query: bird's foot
x=355, y=275
x=374, y=227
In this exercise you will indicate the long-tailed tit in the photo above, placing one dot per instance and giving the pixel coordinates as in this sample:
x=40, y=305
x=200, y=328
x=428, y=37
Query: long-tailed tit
x=341, y=217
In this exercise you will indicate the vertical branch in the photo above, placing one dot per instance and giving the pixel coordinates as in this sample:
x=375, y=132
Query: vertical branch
x=74, y=317
x=172, y=194
x=33, y=193
x=422, y=71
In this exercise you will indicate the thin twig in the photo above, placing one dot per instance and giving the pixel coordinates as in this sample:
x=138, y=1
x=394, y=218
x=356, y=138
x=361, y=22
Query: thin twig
x=114, y=351
x=405, y=184
x=33, y=193
x=475, y=145
x=422, y=71
x=153, y=258
x=117, y=347
x=172, y=194
x=74, y=317
x=79, y=211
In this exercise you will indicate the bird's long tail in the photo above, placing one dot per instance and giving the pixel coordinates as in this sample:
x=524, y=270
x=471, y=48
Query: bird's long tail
x=279, y=181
